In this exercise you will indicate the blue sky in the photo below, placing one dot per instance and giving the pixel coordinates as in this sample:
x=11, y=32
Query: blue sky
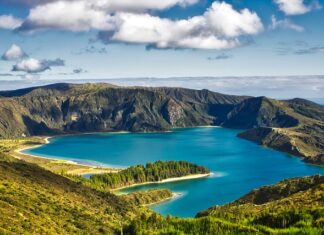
x=121, y=40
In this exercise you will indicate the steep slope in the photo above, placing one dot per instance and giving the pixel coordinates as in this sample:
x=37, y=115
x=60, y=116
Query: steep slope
x=293, y=206
x=65, y=108
x=306, y=141
x=36, y=201
x=294, y=126
x=259, y=112
x=281, y=190
x=307, y=108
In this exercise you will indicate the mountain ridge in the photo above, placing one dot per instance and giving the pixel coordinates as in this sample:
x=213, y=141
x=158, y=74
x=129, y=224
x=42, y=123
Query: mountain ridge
x=294, y=126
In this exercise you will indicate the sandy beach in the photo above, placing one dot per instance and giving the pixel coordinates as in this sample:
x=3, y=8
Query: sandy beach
x=173, y=197
x=75, y=168
x=69, y=167
x=22, y=148
x=187, y=177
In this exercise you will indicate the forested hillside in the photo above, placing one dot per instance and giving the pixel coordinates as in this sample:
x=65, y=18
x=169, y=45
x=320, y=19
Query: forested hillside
x=151, y=172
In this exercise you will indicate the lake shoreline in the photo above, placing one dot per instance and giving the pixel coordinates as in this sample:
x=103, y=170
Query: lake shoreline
x=99, y=169
x=173, y=197
x=94, y=168
x=174, y=179
x=83, y=170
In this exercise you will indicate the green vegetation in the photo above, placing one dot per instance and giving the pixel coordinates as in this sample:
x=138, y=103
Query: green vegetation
x=34, y=200
x=280, y=190
x=9, y=146
x=148, y=197
x=37, y=201
x=295, y=206
x=151, y=172
x=294, y=126
x=156, y=224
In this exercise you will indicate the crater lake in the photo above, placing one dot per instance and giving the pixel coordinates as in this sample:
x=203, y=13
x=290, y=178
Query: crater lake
x=238, y=165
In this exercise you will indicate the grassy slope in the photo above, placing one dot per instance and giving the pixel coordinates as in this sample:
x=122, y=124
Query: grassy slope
x=294, y=206
x=36, y=201
x=148, y=197
x=10, y=146
x=303, y=139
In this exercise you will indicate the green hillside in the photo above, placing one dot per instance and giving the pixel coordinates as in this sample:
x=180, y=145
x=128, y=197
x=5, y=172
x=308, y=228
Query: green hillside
x=37, y=201
x=151, y=172
x=294, y=206
x=293, y=126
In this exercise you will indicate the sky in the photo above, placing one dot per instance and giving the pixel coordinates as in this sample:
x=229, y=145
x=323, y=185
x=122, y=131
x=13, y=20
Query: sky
x=111, y=39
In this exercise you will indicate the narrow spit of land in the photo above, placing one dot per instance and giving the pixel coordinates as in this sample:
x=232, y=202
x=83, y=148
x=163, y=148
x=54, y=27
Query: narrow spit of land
x=68, y=167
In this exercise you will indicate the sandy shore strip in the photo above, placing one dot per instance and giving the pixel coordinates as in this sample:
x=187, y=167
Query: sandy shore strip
x=69, y=166
x=22, y=148
x=173, y=197
x=182, y=178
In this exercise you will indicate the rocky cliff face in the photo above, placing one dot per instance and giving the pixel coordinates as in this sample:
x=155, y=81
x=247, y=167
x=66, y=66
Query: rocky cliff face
x=259, y=111
x=294, y=126
x=65, y=108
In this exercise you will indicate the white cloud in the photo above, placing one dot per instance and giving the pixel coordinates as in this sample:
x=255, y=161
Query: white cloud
x=72, y=16
x=296, y=7
x=285, y=24
x=224, y=20
x=9, y=22
x=14, y=53
x=83, y=15
x=218, y=28
x=32, y=65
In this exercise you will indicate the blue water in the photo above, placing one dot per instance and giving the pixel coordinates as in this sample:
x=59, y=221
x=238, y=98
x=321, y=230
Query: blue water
x=238, y=165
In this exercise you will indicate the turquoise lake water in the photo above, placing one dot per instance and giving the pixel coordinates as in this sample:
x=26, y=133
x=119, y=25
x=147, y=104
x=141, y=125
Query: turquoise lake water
x=238, y=165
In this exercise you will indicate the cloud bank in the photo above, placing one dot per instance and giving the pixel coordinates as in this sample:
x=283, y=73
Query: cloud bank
x=218, y=28
x=282, y=87
x=128, y=21
x=310, y=50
